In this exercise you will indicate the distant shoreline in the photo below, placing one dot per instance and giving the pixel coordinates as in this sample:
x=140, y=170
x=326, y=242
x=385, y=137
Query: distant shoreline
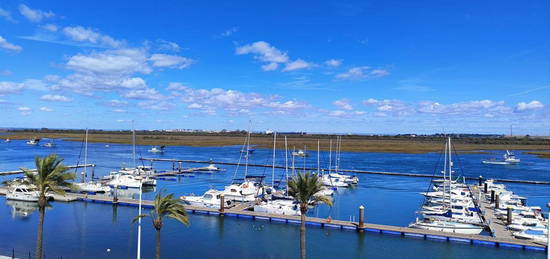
x=350, y=143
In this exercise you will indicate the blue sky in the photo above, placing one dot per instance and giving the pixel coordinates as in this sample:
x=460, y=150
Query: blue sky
x=318, y=66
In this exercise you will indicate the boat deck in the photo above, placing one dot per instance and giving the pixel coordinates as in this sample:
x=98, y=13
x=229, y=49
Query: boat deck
x=499, y=240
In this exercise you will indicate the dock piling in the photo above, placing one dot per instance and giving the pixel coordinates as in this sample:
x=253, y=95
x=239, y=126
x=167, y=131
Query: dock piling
x=361, y=225
x=497, y=202
x=480, y=180
x=492, y=196
x=222, y=204
x=485, y=188
x=509, y=216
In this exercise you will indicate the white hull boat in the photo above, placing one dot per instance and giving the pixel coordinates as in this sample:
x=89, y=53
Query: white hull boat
x=93, y=187
x=22, y=193
x=280, y=207
x=448, y=227
x=210, y=199
x=125, y=181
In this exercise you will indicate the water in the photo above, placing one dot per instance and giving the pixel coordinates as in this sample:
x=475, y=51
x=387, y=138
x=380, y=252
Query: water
x=80, y=230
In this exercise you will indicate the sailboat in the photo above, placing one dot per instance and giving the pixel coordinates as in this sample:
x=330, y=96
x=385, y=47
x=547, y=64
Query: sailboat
x=440, y=213
x=90, y=186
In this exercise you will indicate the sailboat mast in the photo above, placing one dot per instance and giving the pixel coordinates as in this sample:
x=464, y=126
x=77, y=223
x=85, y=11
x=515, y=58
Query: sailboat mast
x=450, y=176
x=330, y=156
x=247, y=152
x=273, y=169
x=318, y=158
x=85, y=157
x=286, y=164
x=133, y=144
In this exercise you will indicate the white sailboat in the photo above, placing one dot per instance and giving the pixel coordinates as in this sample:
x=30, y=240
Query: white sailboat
x=90, y=186
x=440, y=213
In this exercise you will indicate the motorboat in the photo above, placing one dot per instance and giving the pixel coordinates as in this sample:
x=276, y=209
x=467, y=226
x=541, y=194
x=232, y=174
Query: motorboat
x=7, y=140
x=210, y=199
x=532, y=234
x=509, y=158
x=33, y=142
x=125, y=181
x=280, y=207
x=328, y=180
x=300, y=153
x=22, y=193
x=519, y=227
x=325, y=192
x=447, y=226
x=49, y=144
x=209, y=168
x=92, y=187
x=157, y=149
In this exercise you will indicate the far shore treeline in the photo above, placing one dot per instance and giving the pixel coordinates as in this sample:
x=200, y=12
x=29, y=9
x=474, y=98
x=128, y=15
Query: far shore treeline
x=401, y=143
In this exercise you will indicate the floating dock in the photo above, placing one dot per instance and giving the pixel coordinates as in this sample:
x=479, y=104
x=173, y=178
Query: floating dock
x=242, y=212
x=355, y=171
x=34, y=170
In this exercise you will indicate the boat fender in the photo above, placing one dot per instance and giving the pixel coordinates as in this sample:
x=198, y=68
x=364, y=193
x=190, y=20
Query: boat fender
x=329, y=219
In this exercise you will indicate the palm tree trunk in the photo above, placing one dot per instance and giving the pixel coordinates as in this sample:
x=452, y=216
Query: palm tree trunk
x=39, y=233
x=303, y=236
x=158, y=244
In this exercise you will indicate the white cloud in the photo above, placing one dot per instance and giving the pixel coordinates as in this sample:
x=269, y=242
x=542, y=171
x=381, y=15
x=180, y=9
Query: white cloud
x=163, y=60
x=24, y=110
x=50, y=27
x=168, y=46
x=10, y=87
x=144, y=94
x=343, y=104
x=114, y=62
x=362, y=72
x=469, y=107
x=333, y=62
x=4, y=44
x=296, y=65
x=34, y=15
x=46, y=109
x=533, y=105
x=81, y=34
x=6, y=15
x=395, y=107
x=229, y=32
x=133, y=83
x=270, y=67
x=155, y=105
x=119, y=110
x=263, y=51
x=232, y=101
x=117, y=103
x=55, y=98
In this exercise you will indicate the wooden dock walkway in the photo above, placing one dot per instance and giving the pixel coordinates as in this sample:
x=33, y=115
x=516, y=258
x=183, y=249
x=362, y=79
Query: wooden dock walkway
x=497, y=226
x=355, y=171
x=238, y=212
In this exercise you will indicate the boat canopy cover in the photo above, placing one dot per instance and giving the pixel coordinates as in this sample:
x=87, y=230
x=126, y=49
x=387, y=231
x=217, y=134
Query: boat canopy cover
x=534, y=232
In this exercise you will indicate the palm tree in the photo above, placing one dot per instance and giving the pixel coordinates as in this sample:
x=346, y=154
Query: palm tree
x=165, y=206
x=50, y=176
x=304, y=188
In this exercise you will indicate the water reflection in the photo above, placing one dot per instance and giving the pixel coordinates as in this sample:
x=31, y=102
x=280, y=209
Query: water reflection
x=21, y=209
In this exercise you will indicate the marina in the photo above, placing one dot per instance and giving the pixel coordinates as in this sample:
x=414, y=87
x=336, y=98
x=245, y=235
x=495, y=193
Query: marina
x=240, y=211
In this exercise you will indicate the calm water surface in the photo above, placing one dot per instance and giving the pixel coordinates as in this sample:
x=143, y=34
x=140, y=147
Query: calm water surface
x=80, y=230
